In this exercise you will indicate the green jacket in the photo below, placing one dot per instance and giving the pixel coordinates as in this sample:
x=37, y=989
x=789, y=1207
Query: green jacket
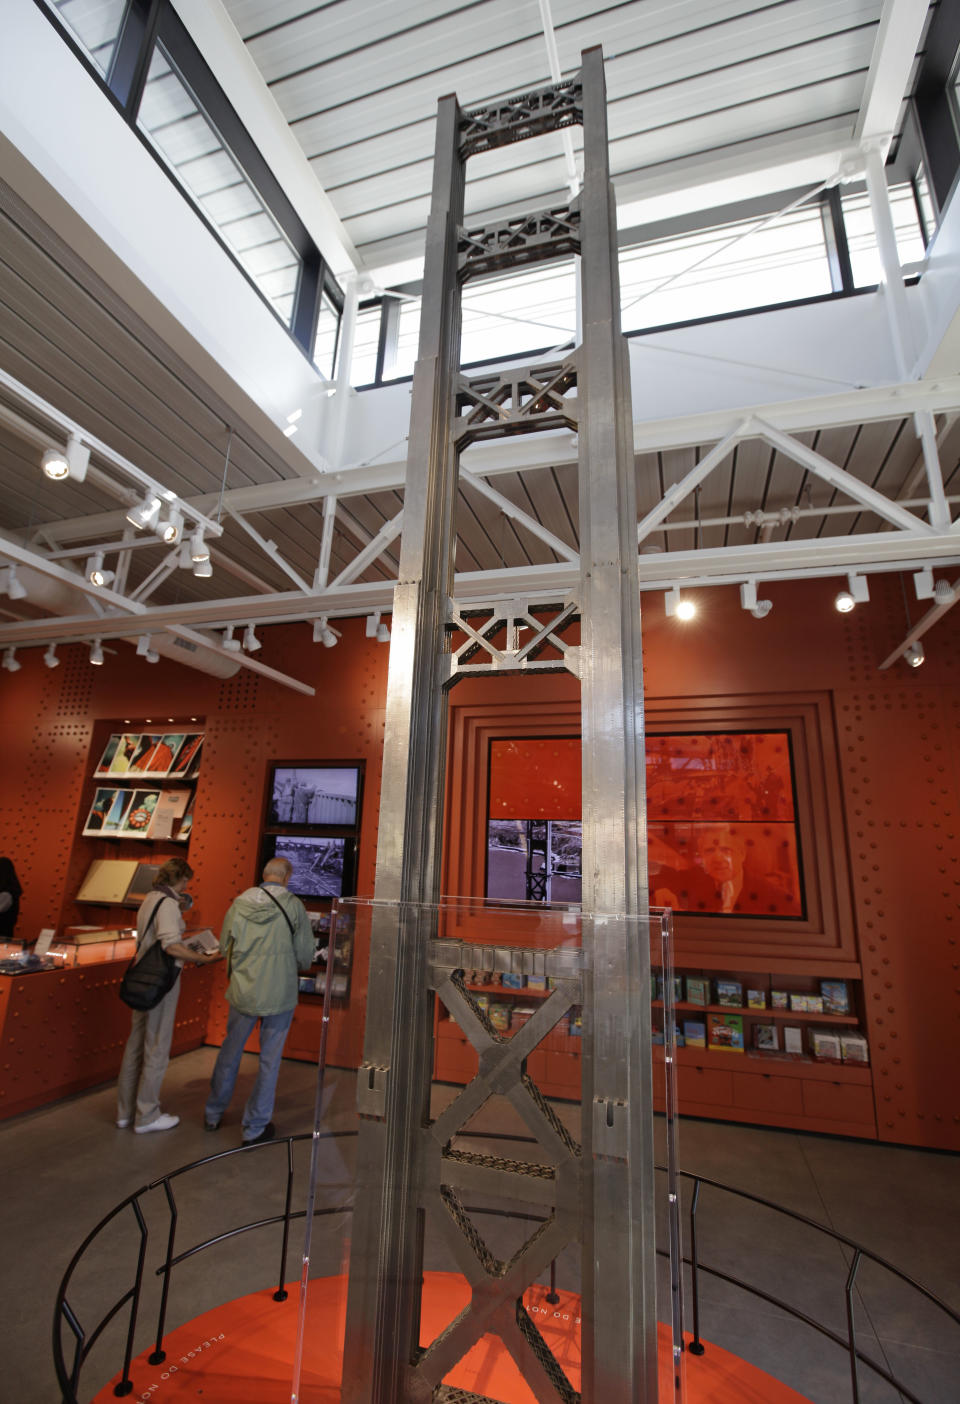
x=261, y=953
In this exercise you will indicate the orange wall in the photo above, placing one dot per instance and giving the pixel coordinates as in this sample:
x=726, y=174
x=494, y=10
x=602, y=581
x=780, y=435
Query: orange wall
x=893, y=762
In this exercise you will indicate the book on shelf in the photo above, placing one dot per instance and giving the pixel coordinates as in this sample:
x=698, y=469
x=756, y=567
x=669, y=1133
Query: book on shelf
x=171, y=805
x=779, y=999
x=499, y=1016
x=756, y=999
x=766, y=1038
x=730, y=992
x=698, y=990
x=575, y=1023
x=726, y=1032
x=510, y=981
x=853, y=1048
x=536, y=982
x=793, y=1040
x=825, y=1046
x=694, y=1033
x=806, y=1004
x=835, y=996
x=107, y=880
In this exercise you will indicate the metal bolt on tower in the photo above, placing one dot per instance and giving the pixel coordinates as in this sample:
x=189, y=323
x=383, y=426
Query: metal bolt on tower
x=602, y=1189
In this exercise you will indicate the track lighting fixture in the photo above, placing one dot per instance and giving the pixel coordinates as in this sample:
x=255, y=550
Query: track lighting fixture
x=10, y=585
x=857, y=592
x=373, y=624
x=250, y=641
x=10, y=661
x=96, y=653
x=50, y=657
x=383, y=633
x=95, y=572
x=748, y=600
x=203, y=569
x=199, y=550
x=70, y=462
x=913, y=655
x=940, y=591
x=322, y=633
x=171, y=528
x=231, y=644
x=674, y=605
x=145, y=513
x=145, y=651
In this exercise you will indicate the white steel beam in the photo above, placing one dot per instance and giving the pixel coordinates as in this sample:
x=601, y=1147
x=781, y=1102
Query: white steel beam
x=674, y=495
x=510, y=509
x=269, y=548
x=838, y=477
x=898, y=38
x=387, y=533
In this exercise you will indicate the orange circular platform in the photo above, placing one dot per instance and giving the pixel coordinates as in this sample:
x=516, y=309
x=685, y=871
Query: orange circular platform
x=242, y=1353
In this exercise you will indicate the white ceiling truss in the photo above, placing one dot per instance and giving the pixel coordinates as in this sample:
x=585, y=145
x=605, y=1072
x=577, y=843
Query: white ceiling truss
x=863, y=481
x=906, y=533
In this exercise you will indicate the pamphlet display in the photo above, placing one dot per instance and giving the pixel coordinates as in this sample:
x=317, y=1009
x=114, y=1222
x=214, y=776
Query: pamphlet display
x=158, y=754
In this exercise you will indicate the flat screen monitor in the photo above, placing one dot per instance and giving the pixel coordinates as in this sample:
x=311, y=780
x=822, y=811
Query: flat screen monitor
x=313, y=796
x=322, y=867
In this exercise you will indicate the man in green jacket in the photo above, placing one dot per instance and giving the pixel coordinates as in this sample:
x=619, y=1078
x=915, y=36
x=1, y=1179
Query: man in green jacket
x=266, y=939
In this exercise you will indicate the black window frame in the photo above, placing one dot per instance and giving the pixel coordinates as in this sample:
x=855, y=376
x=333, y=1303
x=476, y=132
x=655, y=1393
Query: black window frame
x=146, y=23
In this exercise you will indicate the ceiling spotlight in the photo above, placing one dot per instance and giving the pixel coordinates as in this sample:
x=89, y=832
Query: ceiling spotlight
x=10, y=661
x=50, y=657
x=231, y=644
x=857, y=592
x=96, y=653
x=199, y=550
x=914, y=655
x=54, y=464
x=143, y=645
x=748, y=600
x=674, y=605
x=203, y=569
x=373, y=624
x=250, y=641
x=10, y=585
x=70, y=462
x=95, y=572
x=322, y=633
x=171, y=528
x=145, y=513
x=383, y=634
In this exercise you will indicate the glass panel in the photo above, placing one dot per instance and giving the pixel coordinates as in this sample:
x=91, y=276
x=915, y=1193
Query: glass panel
x=366, y=343
x=861, y=236
x=501, y=973
x=326, y=344
x=95, y=24
x=408, y=337
x=193, y=150
x=509, y=315
x=751, y=263
x=928, y=209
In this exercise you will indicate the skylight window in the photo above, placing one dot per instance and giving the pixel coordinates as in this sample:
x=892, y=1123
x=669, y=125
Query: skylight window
x=189, y=144
x=95, y=24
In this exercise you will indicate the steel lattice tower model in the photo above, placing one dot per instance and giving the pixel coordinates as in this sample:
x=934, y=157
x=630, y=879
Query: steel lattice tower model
x=600, y=1192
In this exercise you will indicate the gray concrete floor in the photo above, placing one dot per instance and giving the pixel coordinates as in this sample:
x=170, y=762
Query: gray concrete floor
x=66, y=1166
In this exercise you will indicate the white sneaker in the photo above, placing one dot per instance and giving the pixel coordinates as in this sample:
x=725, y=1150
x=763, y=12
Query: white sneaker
x=123, y=1122
x=164, y=1122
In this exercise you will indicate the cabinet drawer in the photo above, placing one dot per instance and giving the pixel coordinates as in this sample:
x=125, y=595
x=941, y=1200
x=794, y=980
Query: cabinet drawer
x=698, y=1084
x=831, y=1101
x=564, y=1069
x=767, y=1092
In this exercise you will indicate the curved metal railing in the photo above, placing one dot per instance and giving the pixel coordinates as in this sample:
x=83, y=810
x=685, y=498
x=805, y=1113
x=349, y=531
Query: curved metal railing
x=68, y=1375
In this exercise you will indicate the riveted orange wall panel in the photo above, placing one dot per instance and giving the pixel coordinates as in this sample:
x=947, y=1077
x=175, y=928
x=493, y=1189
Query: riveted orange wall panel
x=880, y=766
